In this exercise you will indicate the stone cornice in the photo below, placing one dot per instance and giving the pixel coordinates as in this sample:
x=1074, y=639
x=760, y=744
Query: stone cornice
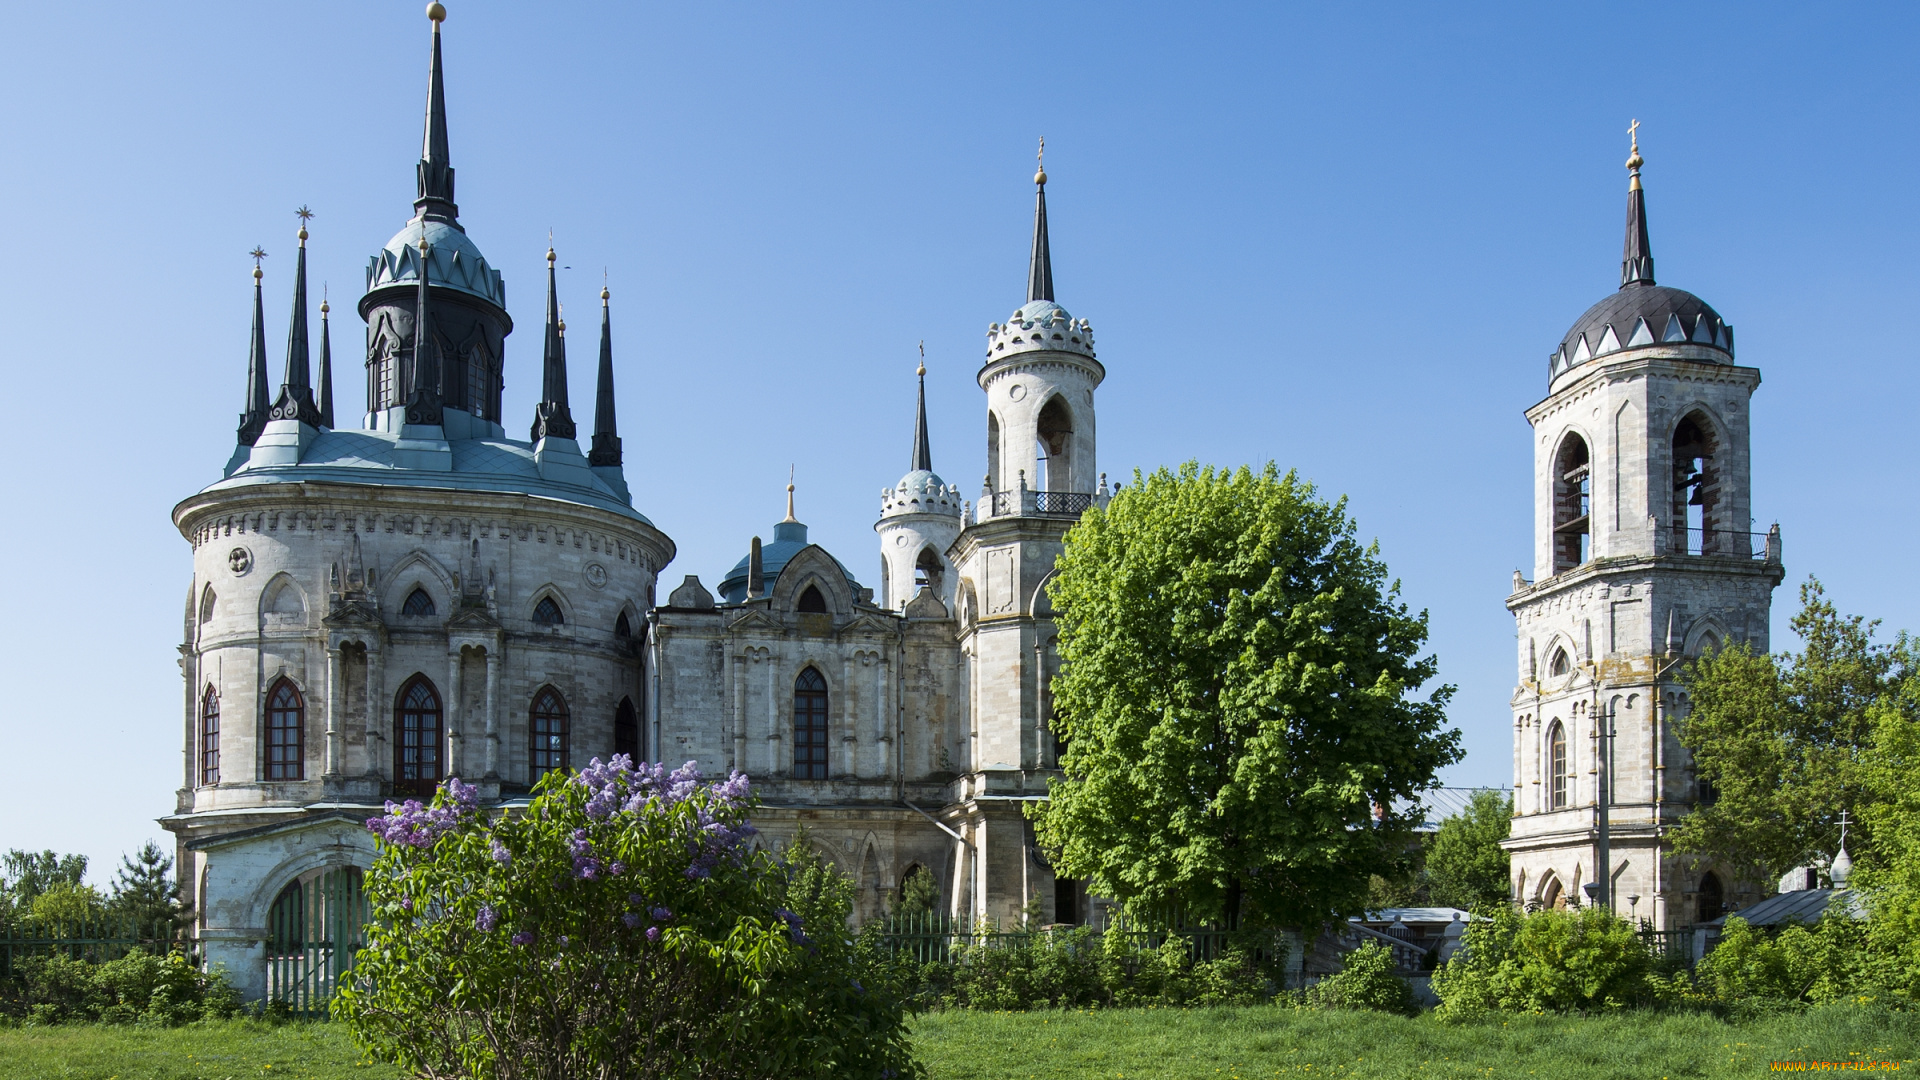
x=1676, y=362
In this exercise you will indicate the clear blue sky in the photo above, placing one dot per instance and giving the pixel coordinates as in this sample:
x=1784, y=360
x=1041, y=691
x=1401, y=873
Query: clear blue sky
x=1343, y=237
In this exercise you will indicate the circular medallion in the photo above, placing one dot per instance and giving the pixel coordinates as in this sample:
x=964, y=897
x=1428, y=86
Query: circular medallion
x=900, y=539
x=239, y=560
x=596, y=575
x=1016, y=391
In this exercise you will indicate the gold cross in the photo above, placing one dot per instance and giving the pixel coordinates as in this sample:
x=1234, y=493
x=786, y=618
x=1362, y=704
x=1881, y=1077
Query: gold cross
x=305, y=215
x=257, y=254
x=1041, y=157
x=1633, y=132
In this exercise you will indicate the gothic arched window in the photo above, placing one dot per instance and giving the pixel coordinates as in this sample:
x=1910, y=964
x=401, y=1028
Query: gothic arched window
x=286, y=731
x=810, y=726
x=1713, y=898
x=418, y=604
x=547, y=613
x=206, y=604
x=1053, y=437
x=812, y=601
x=994, y=479
x=626, y=731
x=210, y=737
x=1559, y=663
x=1553, y=897
x=621, y=627
x=417, y=760
x=547, y=722
x=1556, y=767
x=928, y=571
x=1697, y=527
x=1572, y=504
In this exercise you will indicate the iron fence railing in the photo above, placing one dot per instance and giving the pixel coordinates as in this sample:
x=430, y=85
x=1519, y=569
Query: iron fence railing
x=1726, y=542
x=936, y=938
x=313, y=931
x=93, y=940
x=1041, y=503
x=1669, y=947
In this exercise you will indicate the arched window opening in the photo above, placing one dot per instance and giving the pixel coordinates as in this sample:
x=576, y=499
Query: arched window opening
x=547, y=723
x=480, y=383
x=209, y=737
x=1053, y=436
x=811, y=601
x=1556, y=767
x=206, y=604
x=287, y=922
x=417, y=757
x=626, y=731
x=1560, y=663
x=1553, y=897
x=383, y=375
x=418, y=605
x=1708, y=644
x=1697, y=525
x=919, y=893
x=1712, y=899
x=928, y=571
x=547, y=613
x=286, y=731
x=993, y=454
x=810, y=726
x=1572, y=504
x=286, y=600
x=1066, y=900
x=622, y=628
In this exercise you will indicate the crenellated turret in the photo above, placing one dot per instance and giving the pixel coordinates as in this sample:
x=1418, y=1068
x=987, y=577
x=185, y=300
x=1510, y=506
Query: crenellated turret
x=919, y=519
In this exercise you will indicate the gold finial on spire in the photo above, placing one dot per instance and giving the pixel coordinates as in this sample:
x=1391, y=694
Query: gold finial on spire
x=256, y=255
x=323, y=300
x=549, y=249
x=603, y=287
x=561, y=322
x=1040, y=174
x=305, y=215
x=790, y=516
x=923, y=360
x=1633, y=160
x=438, y=13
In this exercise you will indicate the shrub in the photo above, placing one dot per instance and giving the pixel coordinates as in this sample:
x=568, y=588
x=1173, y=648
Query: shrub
x=1550, y=961
x=163, y=989
x=618, y=928
x=1366, y=980
x=1070, y=969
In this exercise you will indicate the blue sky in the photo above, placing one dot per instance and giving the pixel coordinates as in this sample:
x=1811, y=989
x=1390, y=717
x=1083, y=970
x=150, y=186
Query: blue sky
x=1342, y=237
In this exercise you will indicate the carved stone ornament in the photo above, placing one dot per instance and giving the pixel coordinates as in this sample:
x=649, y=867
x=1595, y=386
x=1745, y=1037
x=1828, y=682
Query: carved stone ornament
x=239, y=560
x=596, y=575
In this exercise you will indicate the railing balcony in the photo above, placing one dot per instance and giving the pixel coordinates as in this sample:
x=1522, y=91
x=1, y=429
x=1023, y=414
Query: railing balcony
x=1070, y=504
x=1727, y=543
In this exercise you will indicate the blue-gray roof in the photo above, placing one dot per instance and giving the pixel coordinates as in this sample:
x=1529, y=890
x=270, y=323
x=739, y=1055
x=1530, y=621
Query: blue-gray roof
x=789, y=539
x=367, y=457
x=454, y=262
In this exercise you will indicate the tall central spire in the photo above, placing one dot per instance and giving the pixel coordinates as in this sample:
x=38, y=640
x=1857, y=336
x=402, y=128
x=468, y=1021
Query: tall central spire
x=606, y=435
x=922, y=449
x=435, y=172
x=296, y=388
x=1040, y=270
x=1636, y=265
x=258, y=404
x=552, y=418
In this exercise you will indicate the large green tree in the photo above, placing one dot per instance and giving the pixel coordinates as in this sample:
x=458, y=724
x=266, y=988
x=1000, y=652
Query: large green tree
x=1466, y=866
x=1783, y=742
x=1239, y=695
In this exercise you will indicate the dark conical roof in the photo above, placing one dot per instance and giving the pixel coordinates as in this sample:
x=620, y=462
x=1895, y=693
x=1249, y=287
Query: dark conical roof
x=552, y=417
x=254, y=417
x=435, y=172
x=606, y=435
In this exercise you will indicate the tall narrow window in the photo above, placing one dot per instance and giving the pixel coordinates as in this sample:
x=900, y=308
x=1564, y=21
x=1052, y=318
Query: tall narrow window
x=209, y=737
x=1556, y=767
x=547, y=613
x=286, y=730
x=994, y=478
x=626, y=731
x=418, y=604
x=287, y=921
x=417, y=757
x=1053, y=434
x=812, y=601
x=810, y=726
x=622, y=629
x=206, y=605
x=1559, y=664
x=1697, y=526
x=1713, y=898
x=547, y=721
x=1553, y=897
x=1572, y=504
x=928, y=571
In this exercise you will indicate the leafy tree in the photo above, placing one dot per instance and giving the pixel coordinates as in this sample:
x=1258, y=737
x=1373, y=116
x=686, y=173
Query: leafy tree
x=1367, y=979
x=1237, y=694
x=1783, y=740
x=1466, y=866
x=620, y=927
x=919, y=895
x=144, y=891
x=1548, y=961
x=67, y=904
x=25, y=875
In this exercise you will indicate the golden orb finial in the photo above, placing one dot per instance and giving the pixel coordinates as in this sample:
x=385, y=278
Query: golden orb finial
x=256, y=273
x=922, y=371
x=549, y=256
x=604, y=294
x=437, y=12
x=1634, y=161
x=303, y=235
x=1040, y=174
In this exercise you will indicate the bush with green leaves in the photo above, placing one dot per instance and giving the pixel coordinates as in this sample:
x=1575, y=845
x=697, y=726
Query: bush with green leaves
x=619, y=927
x=1076, y=968
x=1549, y=961
x=1367, y=979
x=163, y=988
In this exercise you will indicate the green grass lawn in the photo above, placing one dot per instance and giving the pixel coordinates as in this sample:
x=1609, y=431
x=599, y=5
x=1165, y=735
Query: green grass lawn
x=1121, y=1044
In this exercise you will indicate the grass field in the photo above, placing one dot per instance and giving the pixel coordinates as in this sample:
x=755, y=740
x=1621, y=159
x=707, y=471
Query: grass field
x=1122, y=1044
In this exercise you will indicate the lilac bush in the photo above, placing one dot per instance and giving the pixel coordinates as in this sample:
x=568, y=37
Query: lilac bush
x=619, y=926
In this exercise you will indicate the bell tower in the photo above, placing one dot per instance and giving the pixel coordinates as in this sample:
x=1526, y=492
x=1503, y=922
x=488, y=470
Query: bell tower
x=1645, y=555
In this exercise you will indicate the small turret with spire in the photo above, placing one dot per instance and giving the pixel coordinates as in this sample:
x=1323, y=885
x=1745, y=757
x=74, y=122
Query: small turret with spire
x=1636, y=265
x=296, y=388
x=551, y=417
x=253, y=419
x=1040, y=268
x=324, y=391
x=606, y=437
x=435, y=172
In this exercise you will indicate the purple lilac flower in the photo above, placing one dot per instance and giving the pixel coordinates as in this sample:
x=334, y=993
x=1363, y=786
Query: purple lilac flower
x=632, y=920
x=411, y=824
x=562, y=940
x=524, y=937
x=653, y=933
x=485, y=921
x=661, y=914
x=617, y=868
x=501, y=855
x=636, y=899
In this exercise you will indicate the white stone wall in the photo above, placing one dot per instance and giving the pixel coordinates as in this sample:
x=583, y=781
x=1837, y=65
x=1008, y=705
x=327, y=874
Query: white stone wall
x=902, y=538
x=1018, y=388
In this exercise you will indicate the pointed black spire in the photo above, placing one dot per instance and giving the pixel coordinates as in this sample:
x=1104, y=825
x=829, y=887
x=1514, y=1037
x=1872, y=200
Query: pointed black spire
x=296, y=388
x=435, y=171
x=606, y=439
x=922, y=449
x=1040, y=270
x=324, y=392
x=1636, y=265
x=254, y=418
x=423, y=403
x=552, y=418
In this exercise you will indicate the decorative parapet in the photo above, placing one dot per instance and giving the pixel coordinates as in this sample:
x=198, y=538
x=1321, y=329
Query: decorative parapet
x=1040, y=326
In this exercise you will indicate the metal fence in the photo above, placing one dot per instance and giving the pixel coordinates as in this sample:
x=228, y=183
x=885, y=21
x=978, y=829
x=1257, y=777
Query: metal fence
x=313, y=930
x=93, y=940
x=1725, y=542
x=1043, y=503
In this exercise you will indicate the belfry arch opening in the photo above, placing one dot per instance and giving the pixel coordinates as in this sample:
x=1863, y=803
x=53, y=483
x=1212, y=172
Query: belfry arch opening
x=1572, y=504
x=1053, y=442
x=1698, y=519
x=928, y=572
